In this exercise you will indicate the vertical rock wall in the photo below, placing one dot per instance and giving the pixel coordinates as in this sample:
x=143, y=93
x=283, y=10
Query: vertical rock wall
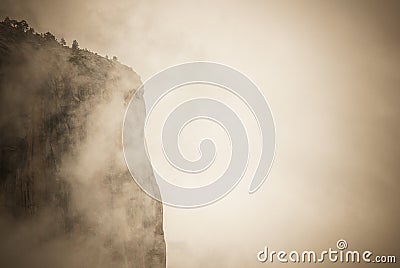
x=66, y=196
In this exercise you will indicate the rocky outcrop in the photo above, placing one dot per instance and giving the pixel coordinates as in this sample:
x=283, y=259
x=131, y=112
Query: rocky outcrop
x=66, y=196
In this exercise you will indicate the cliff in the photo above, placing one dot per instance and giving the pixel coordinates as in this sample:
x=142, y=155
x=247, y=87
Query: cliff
x=66, y=196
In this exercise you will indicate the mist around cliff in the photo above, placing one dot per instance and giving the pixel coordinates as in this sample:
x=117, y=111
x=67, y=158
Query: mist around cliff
x=66, y=197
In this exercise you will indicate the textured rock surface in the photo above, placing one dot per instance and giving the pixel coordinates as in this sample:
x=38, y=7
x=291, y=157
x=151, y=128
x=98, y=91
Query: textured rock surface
x=66, y=196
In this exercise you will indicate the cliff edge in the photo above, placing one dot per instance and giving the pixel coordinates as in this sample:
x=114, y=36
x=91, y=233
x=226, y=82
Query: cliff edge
x=66, y=196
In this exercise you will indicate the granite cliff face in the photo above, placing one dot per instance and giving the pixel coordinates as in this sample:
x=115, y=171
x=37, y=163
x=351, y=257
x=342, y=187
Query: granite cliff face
x=66, y=196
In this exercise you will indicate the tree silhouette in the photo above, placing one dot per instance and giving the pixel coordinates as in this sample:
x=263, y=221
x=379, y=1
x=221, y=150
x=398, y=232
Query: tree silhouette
x=75, y=45
x=62, y=41
x=49, y=36
x=22, y=25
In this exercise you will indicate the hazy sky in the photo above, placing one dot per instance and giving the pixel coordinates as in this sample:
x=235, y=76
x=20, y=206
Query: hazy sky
x=330, y=71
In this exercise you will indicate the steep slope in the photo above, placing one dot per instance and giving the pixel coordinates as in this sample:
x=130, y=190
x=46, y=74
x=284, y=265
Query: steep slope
x=66, y=196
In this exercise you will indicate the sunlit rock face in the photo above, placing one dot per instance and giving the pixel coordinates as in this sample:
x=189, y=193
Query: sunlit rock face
x=66, y=196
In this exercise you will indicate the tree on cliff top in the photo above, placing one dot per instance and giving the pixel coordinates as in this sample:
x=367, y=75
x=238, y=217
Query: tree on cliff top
x=75, y=45
x=63, y=42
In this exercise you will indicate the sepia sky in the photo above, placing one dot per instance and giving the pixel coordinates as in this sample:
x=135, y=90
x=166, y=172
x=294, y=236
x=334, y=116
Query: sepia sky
x=330, y=72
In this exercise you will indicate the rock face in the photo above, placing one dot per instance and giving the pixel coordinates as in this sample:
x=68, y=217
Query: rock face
x=66, y=196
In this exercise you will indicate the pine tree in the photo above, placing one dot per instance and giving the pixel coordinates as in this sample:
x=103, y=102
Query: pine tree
x=75, y=45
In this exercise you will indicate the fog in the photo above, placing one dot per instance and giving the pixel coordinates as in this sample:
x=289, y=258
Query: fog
x=329, y=71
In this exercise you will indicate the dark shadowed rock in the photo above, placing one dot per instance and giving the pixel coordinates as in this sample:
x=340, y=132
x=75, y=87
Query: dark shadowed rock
x=66, y=196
